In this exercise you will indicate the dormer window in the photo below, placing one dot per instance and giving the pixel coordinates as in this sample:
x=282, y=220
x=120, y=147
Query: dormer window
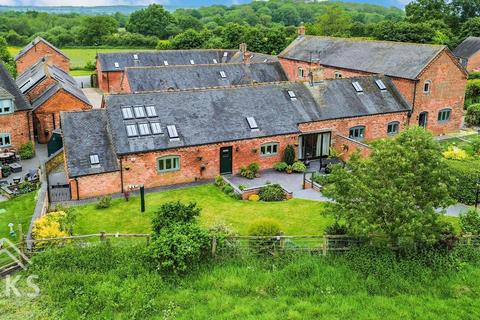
x=6, y=106
x=426, y=86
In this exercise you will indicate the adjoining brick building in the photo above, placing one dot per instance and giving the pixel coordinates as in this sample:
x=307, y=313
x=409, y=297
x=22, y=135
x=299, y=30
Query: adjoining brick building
x=38, y=49
x=168, y=78
x=50, y=91
x=164, y=138
x=468, y=53
x=15, y=118
x=111, y=66
x=429, y=76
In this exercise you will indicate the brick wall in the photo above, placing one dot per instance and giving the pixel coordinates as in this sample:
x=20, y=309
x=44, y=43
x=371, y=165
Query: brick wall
x=474, y=62
x=19, y=126
x=39, y=88
x=346, y=147
x=47, y=116
x=109, y=81
x=39, y=51
x=95, y=185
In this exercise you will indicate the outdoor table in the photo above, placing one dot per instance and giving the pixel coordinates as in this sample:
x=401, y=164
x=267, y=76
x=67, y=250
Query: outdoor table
x=6, y=156
x=15, y=167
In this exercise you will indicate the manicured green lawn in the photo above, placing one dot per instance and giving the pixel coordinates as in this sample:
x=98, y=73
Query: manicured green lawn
x=80, y=56
x=17, y=211
x=296, y=217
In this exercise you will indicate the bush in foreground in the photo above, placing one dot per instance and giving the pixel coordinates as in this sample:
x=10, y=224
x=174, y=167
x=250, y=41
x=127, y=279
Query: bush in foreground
x=271, y=192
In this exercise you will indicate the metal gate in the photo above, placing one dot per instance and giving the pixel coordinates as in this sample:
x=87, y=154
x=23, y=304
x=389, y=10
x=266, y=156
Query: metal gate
x=59, y=193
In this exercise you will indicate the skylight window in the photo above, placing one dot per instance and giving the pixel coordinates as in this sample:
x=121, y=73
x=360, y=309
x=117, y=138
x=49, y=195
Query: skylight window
x=127, y=113
x=252, y=123
x=132, y=130
x=222, y=74
x=116, y=65
x=144, y=129
x=292, y=95
x=357, y=86
x=215, y=61
x=225, y=54
x=94, y=160
x=380, y=84
x=135, y=57
x=24, y=84
x=192, y=62
x=156, y=128
x=151, y=111
x=139, y=111
x=172, y=132
x=165, y=62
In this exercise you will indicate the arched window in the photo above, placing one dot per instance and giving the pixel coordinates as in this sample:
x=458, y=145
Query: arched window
x=393, y=127
x=301, y=72
x=444, y=115
x=338, y=75
x=427, y=86
x=357, y=133
x=168, y=163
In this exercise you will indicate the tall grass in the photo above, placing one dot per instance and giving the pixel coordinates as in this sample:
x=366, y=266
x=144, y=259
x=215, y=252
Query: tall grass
x=106, y=282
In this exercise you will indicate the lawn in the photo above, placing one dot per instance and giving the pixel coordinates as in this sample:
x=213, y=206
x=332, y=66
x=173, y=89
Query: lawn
x=296, y=217
x=17, y=211
x=80, y=56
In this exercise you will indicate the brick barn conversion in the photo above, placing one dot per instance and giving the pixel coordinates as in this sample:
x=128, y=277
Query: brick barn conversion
x=15, y=119
x=50, y=91
x=468, y=53
x=38, y=49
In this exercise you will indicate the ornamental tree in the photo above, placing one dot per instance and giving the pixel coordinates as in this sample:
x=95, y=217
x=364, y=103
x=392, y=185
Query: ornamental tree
x=395, y=191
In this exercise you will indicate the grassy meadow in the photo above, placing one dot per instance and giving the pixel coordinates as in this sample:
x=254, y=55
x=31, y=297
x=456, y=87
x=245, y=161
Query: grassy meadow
x=17, y=211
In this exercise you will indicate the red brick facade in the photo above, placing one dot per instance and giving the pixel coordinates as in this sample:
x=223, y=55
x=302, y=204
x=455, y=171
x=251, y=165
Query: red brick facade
x=474, y=62
x=19, y=126
x=109, y=81
x=447, y=89
x=39, y=51
x=39, y=88
x=47, y=116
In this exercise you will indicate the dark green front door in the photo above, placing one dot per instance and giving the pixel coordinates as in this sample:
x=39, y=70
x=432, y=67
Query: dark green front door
x=226, y=160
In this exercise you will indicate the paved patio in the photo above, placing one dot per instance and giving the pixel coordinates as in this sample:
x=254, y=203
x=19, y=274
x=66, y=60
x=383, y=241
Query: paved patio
x=30, y=164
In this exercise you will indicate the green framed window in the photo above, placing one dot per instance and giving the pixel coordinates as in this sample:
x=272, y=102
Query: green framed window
x=357, y=133
x=444, y=115
x=5, y=140
x=393, y=127
x=168, y=164
x=6, y=106
x=269, y=149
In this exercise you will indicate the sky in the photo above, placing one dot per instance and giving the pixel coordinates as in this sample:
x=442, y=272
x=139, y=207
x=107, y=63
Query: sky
x=82, y=2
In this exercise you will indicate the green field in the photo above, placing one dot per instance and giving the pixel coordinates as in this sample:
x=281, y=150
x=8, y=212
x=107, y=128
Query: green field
x=17, y=211
x=296, y=217
x=80, y=56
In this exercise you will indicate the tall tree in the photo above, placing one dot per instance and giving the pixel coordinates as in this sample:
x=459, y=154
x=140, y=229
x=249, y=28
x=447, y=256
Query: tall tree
x=333, y=22
x=151, y=21
x=6, y=58
x=424, y=10
x=396, y=190
x=96, y=28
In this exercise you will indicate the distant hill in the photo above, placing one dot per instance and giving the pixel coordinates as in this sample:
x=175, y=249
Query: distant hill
x=127, y=9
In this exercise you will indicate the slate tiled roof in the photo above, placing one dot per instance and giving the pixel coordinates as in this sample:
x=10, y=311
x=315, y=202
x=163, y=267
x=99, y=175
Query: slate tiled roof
x=203, y=76
x=85, y=133
x=468, y=47
x=397, y=59
x=8, y=84
x=34, y=43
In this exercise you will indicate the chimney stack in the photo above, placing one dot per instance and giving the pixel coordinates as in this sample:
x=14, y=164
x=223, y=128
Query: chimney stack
x=243, y=47
x=301, y=30
x=247, y=57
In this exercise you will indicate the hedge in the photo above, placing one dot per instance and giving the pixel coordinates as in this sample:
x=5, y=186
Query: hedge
x=472, y=117
x=466, y=173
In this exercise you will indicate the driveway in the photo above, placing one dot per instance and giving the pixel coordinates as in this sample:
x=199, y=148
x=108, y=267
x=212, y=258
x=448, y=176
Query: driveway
x=94, y=95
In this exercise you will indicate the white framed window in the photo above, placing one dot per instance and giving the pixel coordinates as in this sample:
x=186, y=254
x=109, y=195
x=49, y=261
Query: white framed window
x=357, y=133
x=139, y=111
x=127, y=113
x=393, y=128
x=269, y=149
x=427, y=85
x=444, y=115
x=5, y=140
x=301, y=72
x=144, y=129
x=132, y=130
x=94, y=160
x=338, y=75
x=168, y=164
x=6, y=106
x=156, y=127
x=172, y=132
x=151, y=111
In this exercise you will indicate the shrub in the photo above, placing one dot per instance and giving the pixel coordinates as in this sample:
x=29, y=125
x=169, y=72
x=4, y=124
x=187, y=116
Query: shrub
x=228, y=189
x=280, y=166
x=298, y=166
x=174, y=212
x=336, y=229
x=271, y=192
x=253, y=197
x=26, y=150
x=219, y=182
x=264, y=228
x=251, y=171
x=470, y=222
x=466, y=174
x=474, y=75
x=104, y=202
x=242, y=187
x=289, y=155
x=475, y=144
x=455, y=153
x=49, y=226
x=472, y=117
x=473, y=89
x=26, y=187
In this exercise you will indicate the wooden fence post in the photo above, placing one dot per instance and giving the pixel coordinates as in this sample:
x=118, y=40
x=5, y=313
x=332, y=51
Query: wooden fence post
x=102, y=236
x=325, y=245
x=214, y=246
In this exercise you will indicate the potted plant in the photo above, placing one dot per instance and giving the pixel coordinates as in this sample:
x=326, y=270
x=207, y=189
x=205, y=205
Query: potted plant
x=289, y=169
x=6, y=171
